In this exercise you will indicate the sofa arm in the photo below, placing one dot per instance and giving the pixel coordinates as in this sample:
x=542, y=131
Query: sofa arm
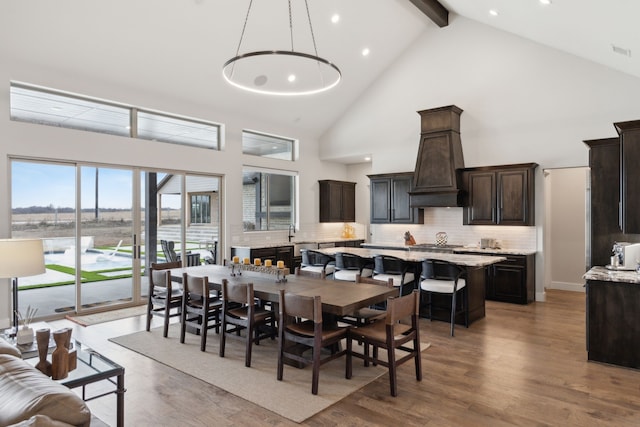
x=25, y=391
x=40, y=421
x=6, y=348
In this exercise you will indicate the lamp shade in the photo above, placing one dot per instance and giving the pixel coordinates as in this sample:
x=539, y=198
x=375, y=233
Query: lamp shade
x=21, y=257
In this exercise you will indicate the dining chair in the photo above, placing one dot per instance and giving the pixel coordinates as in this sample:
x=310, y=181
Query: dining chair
x=317, y=261
x=393, y=334
x=443, y=277
x=367, y=315
x=240, y=311
x=349, y=265
x=316, y=274
x=300, y=325
x=200, y=310
x=165, y=296
x=390, y=267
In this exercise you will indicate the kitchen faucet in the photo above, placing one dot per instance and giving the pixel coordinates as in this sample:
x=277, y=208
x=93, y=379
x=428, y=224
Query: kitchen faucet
x=292, y=231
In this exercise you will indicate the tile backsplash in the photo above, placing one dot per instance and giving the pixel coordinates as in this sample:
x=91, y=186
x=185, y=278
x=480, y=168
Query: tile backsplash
x=449, y=220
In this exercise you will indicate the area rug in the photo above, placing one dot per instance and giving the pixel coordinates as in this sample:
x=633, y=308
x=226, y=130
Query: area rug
x=290, y=398
x=107, y=316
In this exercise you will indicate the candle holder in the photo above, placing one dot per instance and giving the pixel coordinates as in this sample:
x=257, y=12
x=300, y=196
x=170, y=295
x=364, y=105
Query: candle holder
x=236, y=269
x=281, y=276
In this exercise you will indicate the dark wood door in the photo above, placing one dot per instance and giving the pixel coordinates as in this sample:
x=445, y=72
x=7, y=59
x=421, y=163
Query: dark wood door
x=401, y=212
x=348, y=202
x=337, y=201
x=380, y=200
x=629, y=176
x=482, y=198
x=512, y=197
x=509, y=283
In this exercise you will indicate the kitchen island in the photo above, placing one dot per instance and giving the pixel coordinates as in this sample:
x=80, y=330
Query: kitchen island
x=613, y=325
x=474, y=264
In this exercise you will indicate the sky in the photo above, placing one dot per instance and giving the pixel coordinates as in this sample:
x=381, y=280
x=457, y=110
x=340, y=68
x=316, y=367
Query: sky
x=40, y=184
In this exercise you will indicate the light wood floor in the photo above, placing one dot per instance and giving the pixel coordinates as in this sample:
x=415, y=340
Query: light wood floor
x=521, y=365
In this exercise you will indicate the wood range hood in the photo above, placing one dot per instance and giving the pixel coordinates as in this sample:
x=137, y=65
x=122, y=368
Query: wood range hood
x=437, y=178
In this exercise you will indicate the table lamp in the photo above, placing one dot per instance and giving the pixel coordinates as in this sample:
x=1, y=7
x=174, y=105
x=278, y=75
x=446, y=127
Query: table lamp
x=20, y=258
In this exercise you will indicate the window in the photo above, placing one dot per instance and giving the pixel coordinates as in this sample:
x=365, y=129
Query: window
x=200, y=209
x=55, y=108
x=268, y=200
x=257, y=144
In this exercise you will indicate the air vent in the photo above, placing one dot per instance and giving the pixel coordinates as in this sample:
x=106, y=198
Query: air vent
x=621, y=50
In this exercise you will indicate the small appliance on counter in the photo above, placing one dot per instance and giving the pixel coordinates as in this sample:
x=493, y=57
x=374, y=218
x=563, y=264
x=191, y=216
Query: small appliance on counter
x=626, y=256
x=489, y=243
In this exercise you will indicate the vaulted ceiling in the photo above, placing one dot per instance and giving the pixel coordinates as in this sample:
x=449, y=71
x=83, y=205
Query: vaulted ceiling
x=176, y=48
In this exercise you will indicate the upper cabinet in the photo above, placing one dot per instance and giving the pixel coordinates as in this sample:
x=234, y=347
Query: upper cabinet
x=390, y=199
x=629, y=176
x=500, y=195
x=337, y=201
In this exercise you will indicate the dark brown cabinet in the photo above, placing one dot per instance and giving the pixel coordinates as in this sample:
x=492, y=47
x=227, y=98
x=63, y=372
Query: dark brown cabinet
x=512, y=280
x=629, y=133
x=500, y=195
x=390, y=199
x=337, y=201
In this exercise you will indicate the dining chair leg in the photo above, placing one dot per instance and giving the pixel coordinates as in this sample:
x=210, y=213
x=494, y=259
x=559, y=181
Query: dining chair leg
x=453, y=311
x=203, y=332
x=149, y=315
x=223, y=338
x=349, y=365
x=391, y=357
x=183, y=326
x=418, y=361
x=167, y=309
x=247, y=353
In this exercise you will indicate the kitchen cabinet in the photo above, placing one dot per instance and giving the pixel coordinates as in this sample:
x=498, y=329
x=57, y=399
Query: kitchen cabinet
x=337, y=201
x=274, y=253
x=390, y=199
x=629, y=133
x=500, y=195
x=512, y=280
x=613, y=330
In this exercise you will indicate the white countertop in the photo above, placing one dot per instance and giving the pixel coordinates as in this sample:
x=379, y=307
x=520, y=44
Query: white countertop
x=456, y=249
x=418, y=256
x=605, y=275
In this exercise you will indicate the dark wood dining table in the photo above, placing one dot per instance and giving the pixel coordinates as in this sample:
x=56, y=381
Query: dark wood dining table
x=338, y=298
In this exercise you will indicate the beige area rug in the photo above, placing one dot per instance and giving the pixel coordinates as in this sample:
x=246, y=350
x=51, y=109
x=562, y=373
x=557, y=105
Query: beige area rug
x=107, y=316
x=290, y=398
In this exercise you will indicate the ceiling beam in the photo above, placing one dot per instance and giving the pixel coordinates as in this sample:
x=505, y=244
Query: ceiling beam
x=434, y=10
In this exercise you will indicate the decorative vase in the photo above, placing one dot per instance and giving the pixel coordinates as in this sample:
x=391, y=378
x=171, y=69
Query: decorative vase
x=24, y=335
x=42, y=340
x=73, y=355
x=60, y=356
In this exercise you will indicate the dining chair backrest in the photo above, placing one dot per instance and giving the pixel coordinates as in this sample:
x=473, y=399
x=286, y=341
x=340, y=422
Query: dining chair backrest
x=160, y=275
x=310, y=273
x=238, y=292
x=301, y=306
x=388, y=283
x=401, y=308
x=195, y=288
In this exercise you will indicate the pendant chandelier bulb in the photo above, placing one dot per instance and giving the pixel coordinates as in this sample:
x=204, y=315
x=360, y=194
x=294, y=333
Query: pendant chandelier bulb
x=281, y=72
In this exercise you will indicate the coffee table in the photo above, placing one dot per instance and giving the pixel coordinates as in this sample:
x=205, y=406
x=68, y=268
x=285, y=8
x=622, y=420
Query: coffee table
x=92, y=368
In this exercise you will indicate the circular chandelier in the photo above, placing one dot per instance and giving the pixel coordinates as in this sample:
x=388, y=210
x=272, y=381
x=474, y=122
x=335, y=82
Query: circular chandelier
x=281, y=72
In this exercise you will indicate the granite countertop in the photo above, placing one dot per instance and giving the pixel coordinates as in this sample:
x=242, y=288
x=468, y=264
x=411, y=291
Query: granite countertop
x=455, y=249
x=605, y=275
x=418, y=256
x=294, y=242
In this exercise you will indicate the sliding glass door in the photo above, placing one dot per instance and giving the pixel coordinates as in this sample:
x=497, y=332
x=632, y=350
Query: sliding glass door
x=103, y=227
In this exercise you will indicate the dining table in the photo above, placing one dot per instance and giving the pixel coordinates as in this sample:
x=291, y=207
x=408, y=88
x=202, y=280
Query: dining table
x=338, y=298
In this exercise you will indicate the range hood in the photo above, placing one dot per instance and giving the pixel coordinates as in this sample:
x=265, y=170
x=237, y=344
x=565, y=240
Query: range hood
x=437, y=179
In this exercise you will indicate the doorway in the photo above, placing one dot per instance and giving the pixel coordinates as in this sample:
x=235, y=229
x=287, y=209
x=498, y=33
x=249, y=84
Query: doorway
x=566, y=227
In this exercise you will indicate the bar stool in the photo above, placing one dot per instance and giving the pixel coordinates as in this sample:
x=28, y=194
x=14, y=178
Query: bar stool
x=444, y=277
x=349, y=265
x=400, y=271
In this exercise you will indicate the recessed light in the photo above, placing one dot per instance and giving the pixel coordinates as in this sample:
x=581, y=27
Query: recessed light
x=545, y=2
x=367, y=159
x=291, y=78
x=365, y=51
x=335, y=18
x=493, y=12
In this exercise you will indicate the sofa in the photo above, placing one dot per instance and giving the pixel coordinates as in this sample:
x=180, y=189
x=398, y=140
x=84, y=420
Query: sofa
x=28, y=398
